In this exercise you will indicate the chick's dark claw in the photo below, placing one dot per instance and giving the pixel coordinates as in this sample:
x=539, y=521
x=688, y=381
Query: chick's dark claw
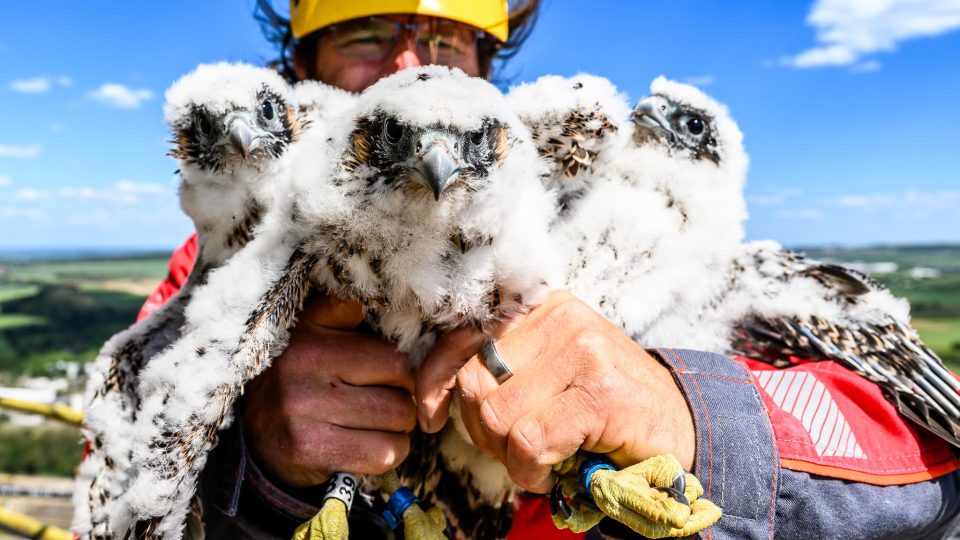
x=571, y=507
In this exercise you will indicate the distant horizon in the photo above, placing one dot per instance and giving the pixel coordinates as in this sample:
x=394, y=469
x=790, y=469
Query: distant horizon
x=17, y=254
x=33, y=253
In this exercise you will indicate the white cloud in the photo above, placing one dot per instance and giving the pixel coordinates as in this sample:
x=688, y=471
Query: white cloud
x=110, y=209
x=120, y=96
x=701, y=80
x=911, y=200
x=29, y=195
x=836, y=55
x=848, y=30
x=21, y=152
x=869, y=66
x=123, y=192
x=803, y=214
x=5, y=181
x=774, y=198
x=39, y=85
x=31, y=214
x=36, y=85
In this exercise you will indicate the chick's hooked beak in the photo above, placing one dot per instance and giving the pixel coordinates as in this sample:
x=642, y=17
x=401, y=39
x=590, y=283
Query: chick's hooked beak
x=437, y=161
x=649, y=116
x=241, y=135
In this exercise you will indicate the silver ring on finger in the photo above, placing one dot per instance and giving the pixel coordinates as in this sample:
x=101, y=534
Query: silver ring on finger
x=494, y=362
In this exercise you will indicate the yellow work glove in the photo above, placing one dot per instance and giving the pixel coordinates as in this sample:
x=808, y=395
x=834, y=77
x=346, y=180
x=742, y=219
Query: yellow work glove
x=330, y=523
x=417, y=524
x=655, y=498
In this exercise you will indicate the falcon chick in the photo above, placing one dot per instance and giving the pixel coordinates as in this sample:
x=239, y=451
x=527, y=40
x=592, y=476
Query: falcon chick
x=440, y=218
x=233, y=127
x=694, y=285
x=654, y=224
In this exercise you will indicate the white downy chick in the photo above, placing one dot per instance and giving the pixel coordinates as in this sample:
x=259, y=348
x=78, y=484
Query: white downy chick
x=232, y=126
x=650, y=233
x=236, y=129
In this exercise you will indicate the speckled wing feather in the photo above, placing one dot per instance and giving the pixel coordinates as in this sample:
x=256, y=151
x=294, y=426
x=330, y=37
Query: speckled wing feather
x=267, y=328
x=887, y=351
x=568, y=143
x=113, y=398
x=112, y=402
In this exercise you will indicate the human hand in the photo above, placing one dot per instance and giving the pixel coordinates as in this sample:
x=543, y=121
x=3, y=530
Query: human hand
x=335, y=400
x=578, y=383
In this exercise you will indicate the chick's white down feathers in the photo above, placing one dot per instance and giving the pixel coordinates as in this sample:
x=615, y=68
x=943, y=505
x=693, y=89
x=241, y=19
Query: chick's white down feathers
x=227, y=204
x=420, y=279
x=647, y=229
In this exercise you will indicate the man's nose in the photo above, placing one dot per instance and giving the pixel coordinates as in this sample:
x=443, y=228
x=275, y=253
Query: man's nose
x=406, y=57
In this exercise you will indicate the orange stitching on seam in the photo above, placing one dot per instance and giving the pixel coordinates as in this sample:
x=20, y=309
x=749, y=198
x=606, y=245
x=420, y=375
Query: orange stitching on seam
x=773, y=449
x=706, y=415
x=773, y=442
x=715, y=376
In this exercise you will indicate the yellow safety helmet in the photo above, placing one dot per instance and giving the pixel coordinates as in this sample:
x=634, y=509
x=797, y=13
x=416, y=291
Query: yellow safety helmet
x=308, y=16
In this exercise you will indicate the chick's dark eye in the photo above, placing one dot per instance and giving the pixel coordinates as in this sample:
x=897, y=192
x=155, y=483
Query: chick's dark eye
x=392, y=130
x=695, y=125
x=477, y=137
x=203, y=124
x=267, y=110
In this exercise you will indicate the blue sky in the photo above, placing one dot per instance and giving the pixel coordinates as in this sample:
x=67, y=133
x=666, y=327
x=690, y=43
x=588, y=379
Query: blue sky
x=849, y=107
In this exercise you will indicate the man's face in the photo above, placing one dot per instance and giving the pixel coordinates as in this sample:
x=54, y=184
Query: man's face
x=349, y=72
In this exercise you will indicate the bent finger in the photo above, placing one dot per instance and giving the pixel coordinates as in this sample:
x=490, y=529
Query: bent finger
x=333, y=448
x=437, y=377
x=474, y=385
x=384, y=409
x=546, y=437
x=352, y=357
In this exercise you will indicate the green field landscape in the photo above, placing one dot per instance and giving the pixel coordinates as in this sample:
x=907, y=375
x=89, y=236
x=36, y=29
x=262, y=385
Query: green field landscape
x=55, y=312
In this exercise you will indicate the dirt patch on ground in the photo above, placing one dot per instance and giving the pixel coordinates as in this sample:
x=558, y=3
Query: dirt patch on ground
x=139, y=287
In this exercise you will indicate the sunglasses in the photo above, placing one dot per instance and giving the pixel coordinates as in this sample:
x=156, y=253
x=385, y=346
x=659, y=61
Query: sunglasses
x=373, y=39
